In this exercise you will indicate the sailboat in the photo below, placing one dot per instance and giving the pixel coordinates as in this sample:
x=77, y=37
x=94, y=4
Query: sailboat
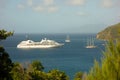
x=90, y=43
x=67, y=39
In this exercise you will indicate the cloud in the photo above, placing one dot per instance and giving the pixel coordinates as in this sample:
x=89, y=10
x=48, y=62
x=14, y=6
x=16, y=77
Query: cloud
x=38, y=8
x=81, y=14
x=43, y=6
x=75, y=2
x=46, y=6
x=52, y=9
x=48, y=2
x=20, y=6
x=49, y=9
x=107, y=3
x=30, y=2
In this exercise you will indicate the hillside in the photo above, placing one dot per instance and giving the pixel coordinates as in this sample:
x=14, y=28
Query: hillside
x=111, y=32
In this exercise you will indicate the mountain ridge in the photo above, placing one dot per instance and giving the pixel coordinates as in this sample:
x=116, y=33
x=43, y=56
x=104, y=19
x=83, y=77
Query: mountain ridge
x=111, y=32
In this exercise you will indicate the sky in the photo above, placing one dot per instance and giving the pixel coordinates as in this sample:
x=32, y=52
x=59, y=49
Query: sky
x=58, y=16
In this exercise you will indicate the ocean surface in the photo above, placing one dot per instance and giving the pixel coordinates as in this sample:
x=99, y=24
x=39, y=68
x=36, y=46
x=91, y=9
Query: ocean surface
x=70, y=58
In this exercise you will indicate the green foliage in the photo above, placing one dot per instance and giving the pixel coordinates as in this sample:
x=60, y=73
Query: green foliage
x=18, y=72
x=36, y=65
x=31, y=72
x=78, y=76
x=95, y=72
x=57, y=75
x=110, y=64
x=35, y=71
x=5, y=62
x=4, y=34
x=38, y=75
x=111, y=61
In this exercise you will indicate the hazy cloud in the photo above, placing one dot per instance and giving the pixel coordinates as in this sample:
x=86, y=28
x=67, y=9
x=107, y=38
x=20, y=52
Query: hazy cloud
x=30, y=2
x=52, y=9
x=75, y=2
x=107, y=3
x=81, y=14
x=48, y=2
x=38, y=8
x=44, y=6
x=20, y=6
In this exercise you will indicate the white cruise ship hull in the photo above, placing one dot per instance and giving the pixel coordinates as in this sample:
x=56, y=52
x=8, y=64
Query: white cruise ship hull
x=39, y=46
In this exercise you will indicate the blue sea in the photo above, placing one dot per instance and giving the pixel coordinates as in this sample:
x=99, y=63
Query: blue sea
x=70, y=58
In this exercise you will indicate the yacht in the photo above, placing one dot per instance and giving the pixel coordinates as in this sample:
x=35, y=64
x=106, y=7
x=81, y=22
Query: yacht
x=90, y=43
x=67, y=39
x=44, y=43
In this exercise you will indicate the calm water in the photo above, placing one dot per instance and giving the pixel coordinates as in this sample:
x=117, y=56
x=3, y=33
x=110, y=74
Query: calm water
x=71, y=58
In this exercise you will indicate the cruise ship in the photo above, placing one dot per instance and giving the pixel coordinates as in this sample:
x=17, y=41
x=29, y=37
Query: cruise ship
x=44, y=43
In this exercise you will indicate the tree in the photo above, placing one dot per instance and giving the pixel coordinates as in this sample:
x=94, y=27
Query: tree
x=31, y=72
x=57, y=75
x=18, y=72
x=38, y=75
x=35, y=71
x=36, y=65
x=5, y=62
x=109, y=69
x=4, y=34
x=78, y=76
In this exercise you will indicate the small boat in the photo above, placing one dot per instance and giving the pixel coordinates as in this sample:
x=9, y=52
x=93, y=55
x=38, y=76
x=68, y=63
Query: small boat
x=44, y=43
x=90, y=43
x=67, y=39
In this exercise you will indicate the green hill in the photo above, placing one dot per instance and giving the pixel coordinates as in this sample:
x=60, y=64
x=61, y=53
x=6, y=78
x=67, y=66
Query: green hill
x=111, y=32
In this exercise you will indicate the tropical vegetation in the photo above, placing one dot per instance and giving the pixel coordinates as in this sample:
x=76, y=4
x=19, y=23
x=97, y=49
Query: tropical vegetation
x=6, y=63
x=109, y=69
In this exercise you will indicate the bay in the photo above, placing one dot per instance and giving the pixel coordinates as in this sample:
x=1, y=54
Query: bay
x=70, y=58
